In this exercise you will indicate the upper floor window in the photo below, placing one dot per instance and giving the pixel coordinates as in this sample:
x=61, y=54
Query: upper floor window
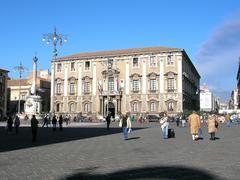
x=72, y=88
x=87, y=65
x=86, y=87
x=72, y=66
x=170, y=84
x=153, y=61
x=170, y=60
x=135, y=62
x=110, y=84
x=135, y=85
x=58, y=88
x=153, y=85
x=59, y=67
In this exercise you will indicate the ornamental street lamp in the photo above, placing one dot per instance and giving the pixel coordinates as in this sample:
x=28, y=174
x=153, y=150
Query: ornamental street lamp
x=55, y=39
x=20, y=69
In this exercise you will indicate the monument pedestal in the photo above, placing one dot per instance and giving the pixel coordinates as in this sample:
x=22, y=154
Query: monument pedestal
x=33, y=105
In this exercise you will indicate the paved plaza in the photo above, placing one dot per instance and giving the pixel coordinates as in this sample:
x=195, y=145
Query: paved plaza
x=92, y=152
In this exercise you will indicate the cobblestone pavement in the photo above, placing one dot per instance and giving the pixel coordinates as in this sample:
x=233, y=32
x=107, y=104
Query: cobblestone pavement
x=95, y=153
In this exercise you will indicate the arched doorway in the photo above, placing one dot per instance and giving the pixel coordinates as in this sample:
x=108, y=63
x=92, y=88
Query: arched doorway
x=111, y=109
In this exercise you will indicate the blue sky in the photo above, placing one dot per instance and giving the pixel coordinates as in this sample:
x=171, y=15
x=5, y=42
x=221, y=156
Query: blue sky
x=209, y=31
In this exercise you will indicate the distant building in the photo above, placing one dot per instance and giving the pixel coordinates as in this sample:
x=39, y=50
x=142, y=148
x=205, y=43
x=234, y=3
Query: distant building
x=136, y=80
x=3, y=93
x=208, y=102
x=233, y=103
x=43, y=85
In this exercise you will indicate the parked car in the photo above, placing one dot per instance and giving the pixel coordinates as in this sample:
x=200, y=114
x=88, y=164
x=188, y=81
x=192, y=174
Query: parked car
x=153, y=118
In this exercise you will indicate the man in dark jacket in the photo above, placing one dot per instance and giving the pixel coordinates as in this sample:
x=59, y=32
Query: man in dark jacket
x=34, y=126
x=108, y=119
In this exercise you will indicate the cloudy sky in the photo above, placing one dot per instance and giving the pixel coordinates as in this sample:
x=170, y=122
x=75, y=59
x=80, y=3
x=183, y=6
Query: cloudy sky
x=209, y=31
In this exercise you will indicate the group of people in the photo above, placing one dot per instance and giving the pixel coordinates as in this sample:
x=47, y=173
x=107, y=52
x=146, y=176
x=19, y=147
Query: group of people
x=194, y=122
x=13, y=123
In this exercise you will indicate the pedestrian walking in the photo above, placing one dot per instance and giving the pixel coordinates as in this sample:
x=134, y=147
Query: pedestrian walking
x=228, y=120
x=45, y=122
x=17, y=124
x=60, y=121
x=177, y=118
x=34, y=126
x=9, y=123
x=108, y=119
x=54, y=122
x=164, y=126
x=124, y=123
x=212, y=125
x=194, y=124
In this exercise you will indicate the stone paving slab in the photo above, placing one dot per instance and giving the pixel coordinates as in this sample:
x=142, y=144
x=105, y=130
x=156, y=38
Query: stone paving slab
x=95, y=153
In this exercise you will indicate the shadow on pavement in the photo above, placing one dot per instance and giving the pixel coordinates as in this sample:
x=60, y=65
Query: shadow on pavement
x=45, y=136
x=156, y=172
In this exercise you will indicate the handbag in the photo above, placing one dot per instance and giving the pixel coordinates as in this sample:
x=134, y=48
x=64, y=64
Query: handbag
x=216, y=124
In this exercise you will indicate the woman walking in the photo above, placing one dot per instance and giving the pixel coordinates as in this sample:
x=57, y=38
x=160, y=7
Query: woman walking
x=164, y=126
x=212, y=126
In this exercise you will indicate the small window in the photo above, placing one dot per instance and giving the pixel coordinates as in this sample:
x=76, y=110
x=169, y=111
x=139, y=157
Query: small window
x=135, y=107
x=153, y=107
x=58, y=108
x=170, y=106
x=72, y=88
x=86, y=107
x=59, y=67
x=153, y=85
x=59, y=88
x=87, y=65
x=170, y=85
x=135, y=85
x=135, y=62
x=153, y=61
x=170, y=60
x=110, y=84
x=72, y=107
x=87, y=87
x=72, y=66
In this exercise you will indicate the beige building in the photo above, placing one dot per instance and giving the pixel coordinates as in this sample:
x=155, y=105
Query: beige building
x=23, y=86
x=138, y=80
x=3, y=93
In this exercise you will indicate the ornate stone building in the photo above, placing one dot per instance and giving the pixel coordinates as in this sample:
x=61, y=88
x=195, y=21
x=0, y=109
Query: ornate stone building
x=3, y=93
x=138, y=80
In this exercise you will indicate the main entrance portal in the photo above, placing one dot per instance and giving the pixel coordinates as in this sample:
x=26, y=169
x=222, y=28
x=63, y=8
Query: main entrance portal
x=111, y=109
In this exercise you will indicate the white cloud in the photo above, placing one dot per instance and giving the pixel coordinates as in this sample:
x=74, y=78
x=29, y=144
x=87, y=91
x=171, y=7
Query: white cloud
x=217, y=58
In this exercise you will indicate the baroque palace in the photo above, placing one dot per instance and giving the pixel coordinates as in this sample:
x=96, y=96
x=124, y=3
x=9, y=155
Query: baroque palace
x=137, y=80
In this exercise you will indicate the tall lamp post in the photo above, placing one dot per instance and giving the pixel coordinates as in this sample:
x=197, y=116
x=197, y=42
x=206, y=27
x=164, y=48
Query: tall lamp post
x=20, y=69
x=55, y=39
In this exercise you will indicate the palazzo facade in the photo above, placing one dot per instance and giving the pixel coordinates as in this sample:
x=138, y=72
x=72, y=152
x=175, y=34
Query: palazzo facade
x=137, y=80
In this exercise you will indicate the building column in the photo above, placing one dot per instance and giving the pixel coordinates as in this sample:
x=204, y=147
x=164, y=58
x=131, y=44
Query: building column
x=52, y=104
x=144, y=85
x=65, y=89
x=79, y=105
x=94, y=87
x=127, y=88
x=180, y=89
x=161, y=83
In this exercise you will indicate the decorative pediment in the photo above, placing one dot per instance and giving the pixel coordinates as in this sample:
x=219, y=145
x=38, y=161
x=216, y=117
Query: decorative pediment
x=86, y=78
x=72, y=78
x=152, y=75
x=135, y=76
x=58, y=79
x=170, y=73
